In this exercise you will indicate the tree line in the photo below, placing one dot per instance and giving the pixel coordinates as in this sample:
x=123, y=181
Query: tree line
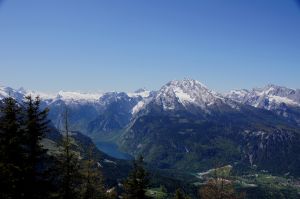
x=27, y=171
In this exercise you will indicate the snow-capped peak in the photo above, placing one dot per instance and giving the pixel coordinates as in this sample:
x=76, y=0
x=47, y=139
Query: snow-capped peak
x=77, y=96
x=185, y=92
x=140, y=93
x=237, y=95
x=3, y=92
x=7, y=91
x=268, y=97
x=19, y=95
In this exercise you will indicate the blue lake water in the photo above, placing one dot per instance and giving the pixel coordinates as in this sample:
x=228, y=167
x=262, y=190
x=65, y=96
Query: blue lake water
x=113, y=150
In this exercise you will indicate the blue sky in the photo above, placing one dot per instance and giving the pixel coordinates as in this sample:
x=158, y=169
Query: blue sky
x=53, y=45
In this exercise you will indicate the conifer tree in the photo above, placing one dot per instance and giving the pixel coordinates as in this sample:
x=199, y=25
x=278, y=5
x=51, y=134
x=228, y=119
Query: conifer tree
x=35, y=128
x=68, y=166
x=180, y=195
x=136, y=183
x=11, y=151
x=93, y=187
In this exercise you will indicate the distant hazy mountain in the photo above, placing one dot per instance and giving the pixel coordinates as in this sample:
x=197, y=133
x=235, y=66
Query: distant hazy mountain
x=89, y=112
x=281, y=100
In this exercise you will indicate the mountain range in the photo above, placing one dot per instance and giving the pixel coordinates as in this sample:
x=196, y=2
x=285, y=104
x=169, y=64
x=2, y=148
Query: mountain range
x=187, y=126
x=92, y=110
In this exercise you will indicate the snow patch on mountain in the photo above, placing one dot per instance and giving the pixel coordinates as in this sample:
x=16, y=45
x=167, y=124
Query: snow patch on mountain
x=182, y=96
x=138, y=107
x=3, y=92
x=185, y=93
x=76, y=96
x=238, y=95
x=7, y=91
x=140, y=93
x=269, y=97
x=278, y=99
x=41, y=95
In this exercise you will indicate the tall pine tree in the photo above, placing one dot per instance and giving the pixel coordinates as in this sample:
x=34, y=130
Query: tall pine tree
x=180, y=195
x=136, y=183
x=93, y=187
x=11, y=150
x=35, y=128
x=68, y=166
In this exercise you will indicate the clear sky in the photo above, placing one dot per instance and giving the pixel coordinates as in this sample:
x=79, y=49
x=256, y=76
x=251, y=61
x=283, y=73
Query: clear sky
x=89, y=45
